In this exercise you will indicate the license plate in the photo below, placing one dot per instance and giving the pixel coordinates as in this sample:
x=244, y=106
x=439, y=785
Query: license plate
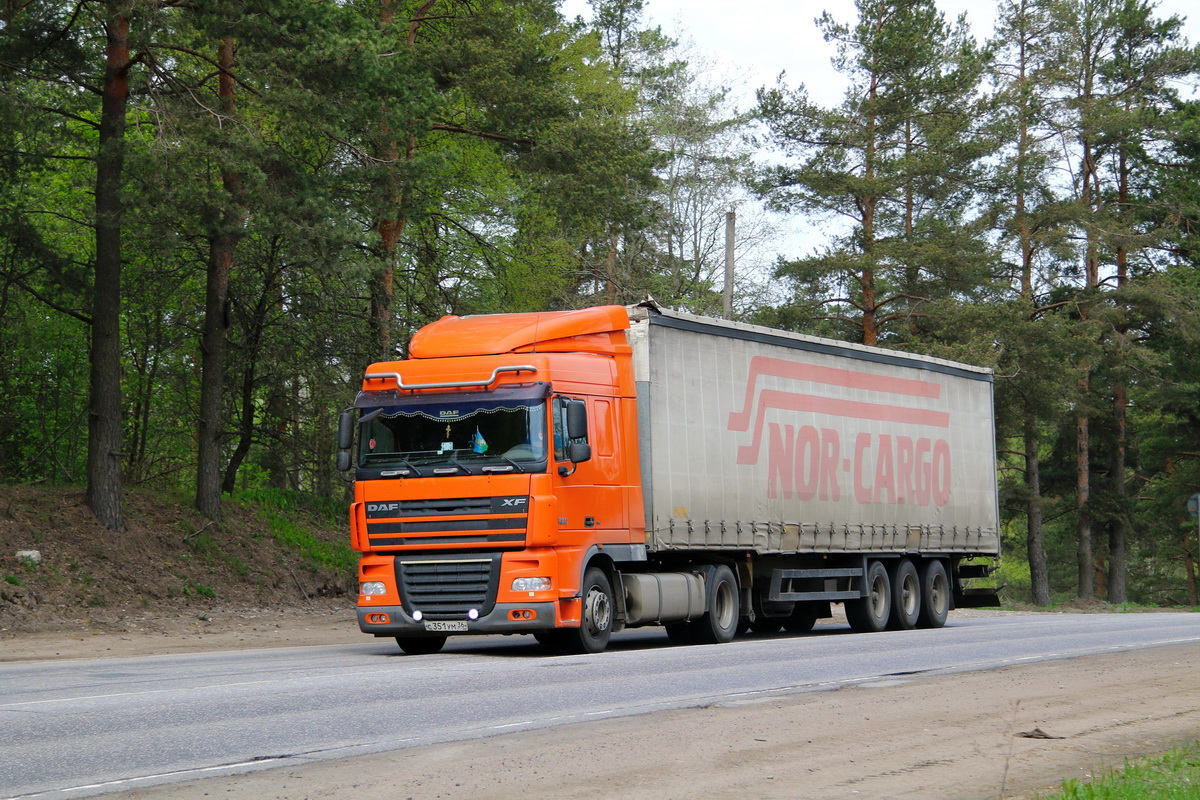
x=455, y=626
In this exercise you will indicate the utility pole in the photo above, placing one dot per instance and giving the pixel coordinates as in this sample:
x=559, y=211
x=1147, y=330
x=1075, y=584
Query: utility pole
x=730, y=227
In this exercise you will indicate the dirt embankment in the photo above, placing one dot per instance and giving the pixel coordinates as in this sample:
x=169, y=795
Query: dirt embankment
x=171, y=572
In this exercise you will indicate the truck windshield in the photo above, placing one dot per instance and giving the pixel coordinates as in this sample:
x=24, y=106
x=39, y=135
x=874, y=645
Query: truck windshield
x=447, y=434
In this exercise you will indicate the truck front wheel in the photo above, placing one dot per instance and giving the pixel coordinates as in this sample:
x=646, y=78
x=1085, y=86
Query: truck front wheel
x=720, y=622
x=596, y=618
x=869, y=614
x=421, y=645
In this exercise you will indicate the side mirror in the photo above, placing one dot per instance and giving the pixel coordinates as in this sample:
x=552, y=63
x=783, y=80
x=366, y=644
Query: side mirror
x=577, y=420
x=345, y=434
x=343, y=461
x=579, y=451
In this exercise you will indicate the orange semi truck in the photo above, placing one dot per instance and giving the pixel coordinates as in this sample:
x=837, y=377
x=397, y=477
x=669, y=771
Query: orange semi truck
x=570, y=474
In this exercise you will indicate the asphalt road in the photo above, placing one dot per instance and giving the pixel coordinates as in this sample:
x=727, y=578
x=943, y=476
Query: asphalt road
x=83, y=727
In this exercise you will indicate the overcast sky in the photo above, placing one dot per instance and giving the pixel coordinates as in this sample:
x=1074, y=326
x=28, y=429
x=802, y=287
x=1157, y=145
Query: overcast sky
x=752, y=42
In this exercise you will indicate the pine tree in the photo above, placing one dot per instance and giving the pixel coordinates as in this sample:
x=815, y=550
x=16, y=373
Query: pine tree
x=896, y=162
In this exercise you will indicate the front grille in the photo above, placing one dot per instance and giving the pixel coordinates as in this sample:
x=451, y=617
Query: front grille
x=494, y=522
x=443, y=588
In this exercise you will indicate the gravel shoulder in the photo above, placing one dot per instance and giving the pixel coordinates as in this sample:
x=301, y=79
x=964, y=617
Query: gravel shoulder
x=1011, y=733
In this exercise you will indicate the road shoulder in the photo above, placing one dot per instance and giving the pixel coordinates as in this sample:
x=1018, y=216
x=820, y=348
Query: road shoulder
x=1010, y=733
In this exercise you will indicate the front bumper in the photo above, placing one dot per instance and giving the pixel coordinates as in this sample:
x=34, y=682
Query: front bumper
x=500, y=620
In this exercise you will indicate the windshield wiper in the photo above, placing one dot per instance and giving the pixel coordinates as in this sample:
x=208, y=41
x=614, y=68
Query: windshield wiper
x=411, y=466
x=515, y=466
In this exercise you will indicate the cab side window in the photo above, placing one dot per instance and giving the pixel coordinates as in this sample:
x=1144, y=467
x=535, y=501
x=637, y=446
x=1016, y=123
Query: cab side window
x=561, y=442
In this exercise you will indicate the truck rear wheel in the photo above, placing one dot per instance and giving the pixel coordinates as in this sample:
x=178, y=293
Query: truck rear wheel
x=720, y=621
x=906, y=596
x=803, y=618
x=869, y=614
x=764, y=623
x=935, y=595
x=421, y=645
x=596, y=616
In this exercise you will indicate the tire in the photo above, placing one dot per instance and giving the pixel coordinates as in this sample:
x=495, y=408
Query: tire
x=763, y=623
x=802, y=620
x=765, y=626
x=722, y=609
x=870, y=614
x=680, y=633
x=550, y=639
x=906, y=596
x=596, y=615
x=935, y=595
x=421, y=645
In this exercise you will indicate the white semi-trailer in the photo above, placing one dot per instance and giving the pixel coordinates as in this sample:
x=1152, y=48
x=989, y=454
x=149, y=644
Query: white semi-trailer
x=567, y=474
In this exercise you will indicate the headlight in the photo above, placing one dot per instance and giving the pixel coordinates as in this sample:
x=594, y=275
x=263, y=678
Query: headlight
x=372, y=587
x=531, y=585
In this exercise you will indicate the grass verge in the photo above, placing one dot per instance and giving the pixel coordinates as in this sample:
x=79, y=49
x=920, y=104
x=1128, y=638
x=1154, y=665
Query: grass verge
x=1172, y=776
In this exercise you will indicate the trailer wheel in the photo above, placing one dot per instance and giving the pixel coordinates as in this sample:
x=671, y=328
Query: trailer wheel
x=719, y=623
x=906, y=596
x=870, y=614
x=802, y=620
x=596, y=622
x=420, y=645
x=935, y=595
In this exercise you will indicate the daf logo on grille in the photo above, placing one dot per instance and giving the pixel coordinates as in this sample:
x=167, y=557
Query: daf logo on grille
x=376, y=507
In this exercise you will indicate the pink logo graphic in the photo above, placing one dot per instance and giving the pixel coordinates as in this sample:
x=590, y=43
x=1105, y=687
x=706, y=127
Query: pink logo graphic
x=808, y=462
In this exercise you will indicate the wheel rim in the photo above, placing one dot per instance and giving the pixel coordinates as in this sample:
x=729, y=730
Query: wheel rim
x=723, y=605
x=909, y=595
x=937, y=593
x=598, y=611
x=879, y=599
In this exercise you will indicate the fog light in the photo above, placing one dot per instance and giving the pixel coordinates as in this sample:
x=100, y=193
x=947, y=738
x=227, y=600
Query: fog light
x=372, y=587
x=473, y=613
x=417, y=616
x=531, y=585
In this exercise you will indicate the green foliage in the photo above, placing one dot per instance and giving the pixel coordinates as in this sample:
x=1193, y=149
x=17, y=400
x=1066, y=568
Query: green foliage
x=898, y=159
x=1174, y=775
x=1030, y=205
x=280, y=508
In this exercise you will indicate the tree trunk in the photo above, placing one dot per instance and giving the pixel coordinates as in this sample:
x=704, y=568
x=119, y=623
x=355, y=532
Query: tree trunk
x=1118, y=531
x=104, y=421
x=1083, y=523
x=1189, y=563
x=610, y=270
x=253, y=324
x=222, y=241
x=1039, y=573
x=392, y=221
x=245, y=432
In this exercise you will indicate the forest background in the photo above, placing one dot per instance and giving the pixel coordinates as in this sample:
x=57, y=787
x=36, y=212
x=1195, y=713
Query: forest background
x=216, y=214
